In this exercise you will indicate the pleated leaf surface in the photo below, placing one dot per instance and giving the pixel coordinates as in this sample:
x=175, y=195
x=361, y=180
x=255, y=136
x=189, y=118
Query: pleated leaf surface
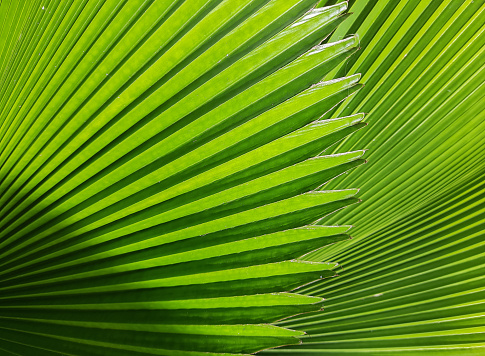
x=411, y=281
x=160, y=172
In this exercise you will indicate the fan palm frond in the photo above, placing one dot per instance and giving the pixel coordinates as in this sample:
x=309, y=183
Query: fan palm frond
x=159, y=162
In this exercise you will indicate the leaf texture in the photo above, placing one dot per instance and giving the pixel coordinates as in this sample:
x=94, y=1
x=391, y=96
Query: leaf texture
x=159, y=172
x=411, y=279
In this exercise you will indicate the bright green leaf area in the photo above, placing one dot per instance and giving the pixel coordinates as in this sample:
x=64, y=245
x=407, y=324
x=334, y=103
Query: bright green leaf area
x=174, y=176
x=160, y=166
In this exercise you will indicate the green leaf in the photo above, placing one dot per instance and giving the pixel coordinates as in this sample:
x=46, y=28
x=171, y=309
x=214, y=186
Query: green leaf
x=411, y=279
x=160, y=169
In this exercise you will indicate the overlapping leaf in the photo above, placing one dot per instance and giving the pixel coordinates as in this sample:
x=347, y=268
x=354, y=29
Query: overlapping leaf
x=412, y=280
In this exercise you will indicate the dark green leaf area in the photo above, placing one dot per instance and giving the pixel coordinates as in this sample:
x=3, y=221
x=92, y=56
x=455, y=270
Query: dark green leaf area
x=252, y=315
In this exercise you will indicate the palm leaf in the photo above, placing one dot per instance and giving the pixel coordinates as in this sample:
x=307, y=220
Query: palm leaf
x=159, y=162
x=411, y=281
x=81, y=211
